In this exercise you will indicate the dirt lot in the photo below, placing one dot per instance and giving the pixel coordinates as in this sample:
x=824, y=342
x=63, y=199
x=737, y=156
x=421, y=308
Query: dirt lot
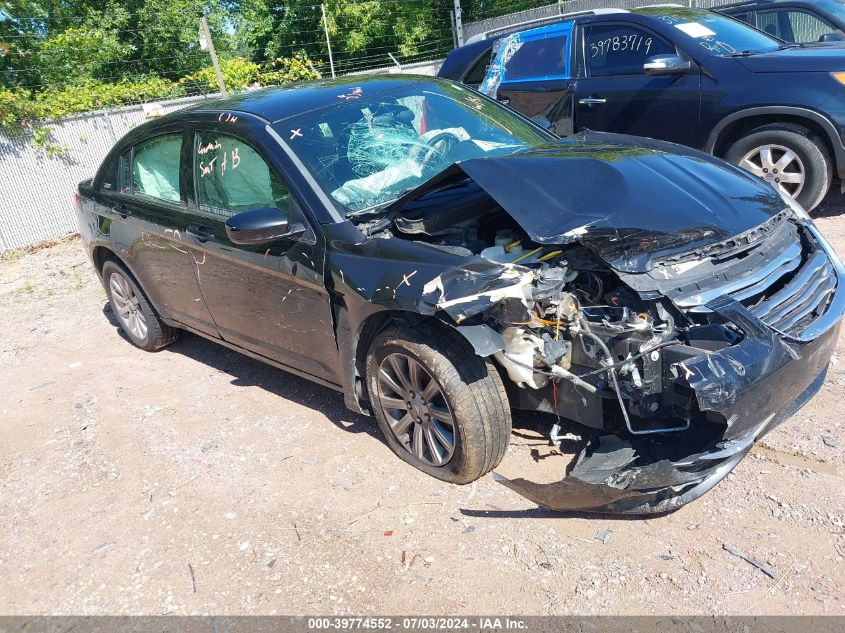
x=196, y=480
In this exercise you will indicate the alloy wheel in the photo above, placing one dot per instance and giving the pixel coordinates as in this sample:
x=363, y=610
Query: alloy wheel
x=779, y=166
x=416, y=409
x=128, y=311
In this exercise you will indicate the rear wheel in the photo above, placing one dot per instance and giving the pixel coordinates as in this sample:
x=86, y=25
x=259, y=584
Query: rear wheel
x=790, y=158
x=441, y=408
x=135, y=315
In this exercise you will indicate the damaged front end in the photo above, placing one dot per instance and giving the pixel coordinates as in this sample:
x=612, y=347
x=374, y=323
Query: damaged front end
x=678, y=348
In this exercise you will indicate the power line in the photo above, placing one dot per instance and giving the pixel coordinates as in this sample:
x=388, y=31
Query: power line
x=146, y=13
x=252, y=51
x=354, y=64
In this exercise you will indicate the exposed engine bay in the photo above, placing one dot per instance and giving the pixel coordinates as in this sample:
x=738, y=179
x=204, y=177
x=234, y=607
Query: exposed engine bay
x=654, y=361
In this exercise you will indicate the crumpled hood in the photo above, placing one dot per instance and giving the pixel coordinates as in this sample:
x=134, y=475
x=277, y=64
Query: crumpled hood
x=629, y=199
x=809, y=58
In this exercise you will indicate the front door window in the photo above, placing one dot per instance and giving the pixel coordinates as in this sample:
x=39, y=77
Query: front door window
x=231, y=177
x=616, y=49
x=793, y=25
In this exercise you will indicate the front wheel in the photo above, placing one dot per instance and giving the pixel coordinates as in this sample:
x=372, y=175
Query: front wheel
x=788, y=157
x=441, y=408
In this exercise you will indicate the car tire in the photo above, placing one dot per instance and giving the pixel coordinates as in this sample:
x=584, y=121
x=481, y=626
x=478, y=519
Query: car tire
x=443, y=380
x=810, y=160
x=135, y=315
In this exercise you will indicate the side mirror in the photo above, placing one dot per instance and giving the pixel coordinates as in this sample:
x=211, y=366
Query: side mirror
x=836, y=36
x=260, y=226
x=666, y=65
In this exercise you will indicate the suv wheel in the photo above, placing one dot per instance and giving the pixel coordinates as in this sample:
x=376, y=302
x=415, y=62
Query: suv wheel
x=449, y=419
x=790, y=158
x=137, y=318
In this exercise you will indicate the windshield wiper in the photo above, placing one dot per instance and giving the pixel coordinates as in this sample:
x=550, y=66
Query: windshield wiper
x=782, y=47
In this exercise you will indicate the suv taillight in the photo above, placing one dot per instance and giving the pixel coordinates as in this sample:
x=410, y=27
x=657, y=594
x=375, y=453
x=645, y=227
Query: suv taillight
x=77, y=203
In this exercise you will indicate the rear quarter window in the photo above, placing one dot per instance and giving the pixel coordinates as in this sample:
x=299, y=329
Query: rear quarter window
x=475, y=75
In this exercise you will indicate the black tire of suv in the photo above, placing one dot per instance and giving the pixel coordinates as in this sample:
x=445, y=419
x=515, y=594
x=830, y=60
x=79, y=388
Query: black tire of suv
x=159, y=335
x=809, y=148
x=472, y=388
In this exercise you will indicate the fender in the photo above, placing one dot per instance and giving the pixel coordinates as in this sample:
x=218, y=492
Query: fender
x=805, y=113
x=120, y=255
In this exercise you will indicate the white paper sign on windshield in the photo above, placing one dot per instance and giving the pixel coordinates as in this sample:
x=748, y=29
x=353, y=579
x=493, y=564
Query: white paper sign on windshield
x=694, y=29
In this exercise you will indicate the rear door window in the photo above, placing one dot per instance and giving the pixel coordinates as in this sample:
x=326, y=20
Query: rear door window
x=542, y=58
x=621, y=49
x=155, y=168
x=230, y=177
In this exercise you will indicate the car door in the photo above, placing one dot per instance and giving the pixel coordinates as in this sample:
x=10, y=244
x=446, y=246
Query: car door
x=267, y=298
x=148, y=210
x=535, y=76
x=793, y=24
x=614, y=94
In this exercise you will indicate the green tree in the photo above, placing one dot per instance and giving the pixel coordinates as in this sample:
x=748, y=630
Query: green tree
x=362, y=31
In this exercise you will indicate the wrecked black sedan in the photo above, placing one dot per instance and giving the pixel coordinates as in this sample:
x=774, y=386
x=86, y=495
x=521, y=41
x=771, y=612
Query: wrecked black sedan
x=441, y=260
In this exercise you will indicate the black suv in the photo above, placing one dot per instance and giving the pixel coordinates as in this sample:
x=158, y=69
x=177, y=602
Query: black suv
x=799, y=21
x=685, y=75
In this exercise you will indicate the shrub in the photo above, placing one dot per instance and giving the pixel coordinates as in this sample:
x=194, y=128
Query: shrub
x=22, y=109
x=94, y=95
x=16, y=109
x=238, y=73
x=288, y=69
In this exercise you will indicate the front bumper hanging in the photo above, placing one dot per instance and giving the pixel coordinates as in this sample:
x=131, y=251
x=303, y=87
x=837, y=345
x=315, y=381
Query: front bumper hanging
x=754, y=385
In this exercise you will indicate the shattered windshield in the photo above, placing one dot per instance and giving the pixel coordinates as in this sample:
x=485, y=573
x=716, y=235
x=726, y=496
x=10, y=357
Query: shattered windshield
x=369, y=149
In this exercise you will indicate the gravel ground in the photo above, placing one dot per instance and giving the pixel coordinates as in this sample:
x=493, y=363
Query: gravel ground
x=196, y=480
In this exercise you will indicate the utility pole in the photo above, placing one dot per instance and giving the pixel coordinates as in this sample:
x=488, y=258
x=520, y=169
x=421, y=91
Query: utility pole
x=459, y=25
x=328, y=41
x=207, y=44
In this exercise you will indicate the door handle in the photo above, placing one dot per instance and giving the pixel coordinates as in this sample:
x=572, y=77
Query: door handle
x=200, y=233
x=122, y=210
x=591, y=101
x=503, y=100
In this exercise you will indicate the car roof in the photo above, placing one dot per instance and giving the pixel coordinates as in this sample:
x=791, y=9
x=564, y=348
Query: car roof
x=753, y=4
x=280, y=102
x=491, y=35
x=649, y=10
x=498, y=32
